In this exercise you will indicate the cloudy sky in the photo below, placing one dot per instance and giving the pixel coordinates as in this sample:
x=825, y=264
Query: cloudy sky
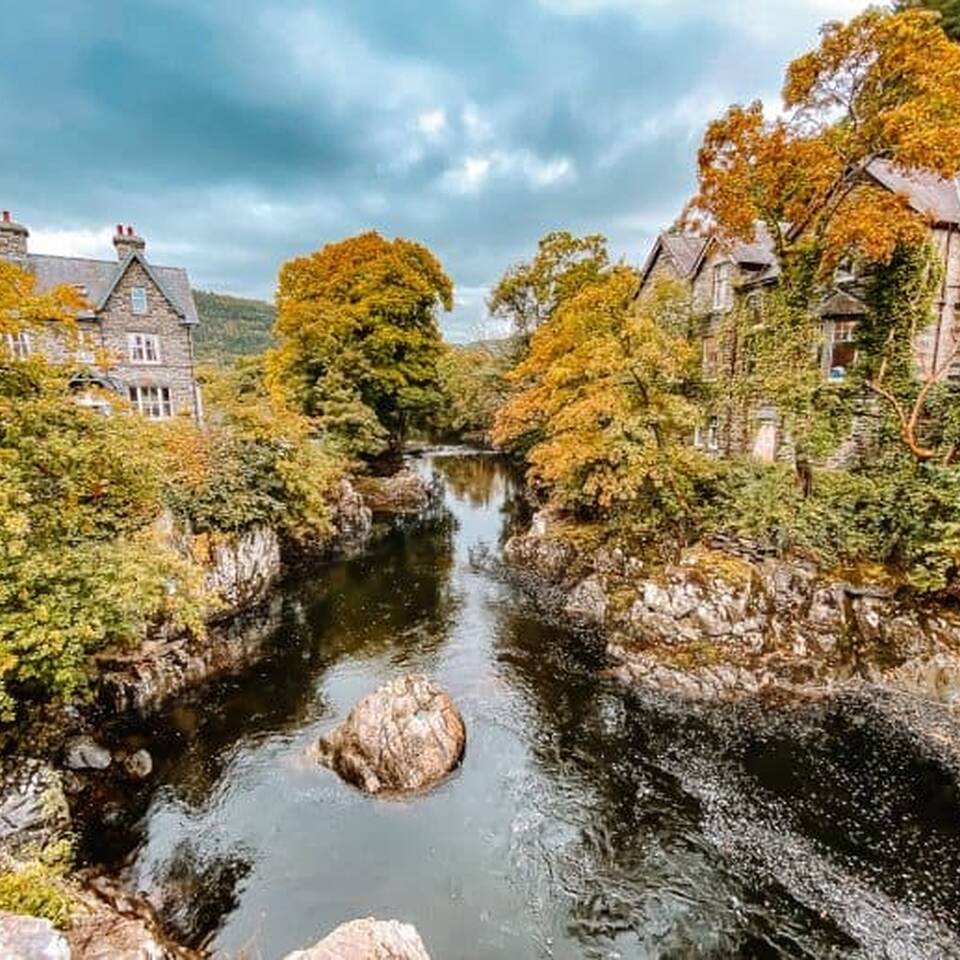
x=236, y=133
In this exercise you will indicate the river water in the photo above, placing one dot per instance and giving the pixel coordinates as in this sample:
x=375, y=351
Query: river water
x=584, y=822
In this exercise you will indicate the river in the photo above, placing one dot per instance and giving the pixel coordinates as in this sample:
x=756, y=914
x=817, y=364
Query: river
x=584, y=822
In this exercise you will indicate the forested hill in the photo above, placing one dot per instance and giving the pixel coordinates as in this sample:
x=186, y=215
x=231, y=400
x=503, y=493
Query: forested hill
x=231, y=327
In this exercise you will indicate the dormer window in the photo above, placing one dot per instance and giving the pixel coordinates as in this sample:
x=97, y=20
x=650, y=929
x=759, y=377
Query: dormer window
x=138, y=299
x=144, y=348
x=723, y=286
x=846, y=271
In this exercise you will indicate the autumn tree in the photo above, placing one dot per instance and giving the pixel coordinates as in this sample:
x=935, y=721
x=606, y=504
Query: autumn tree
x=609, y=403
x=529, y=292
x=81, y=566
x=472, y=381
x=358, y=337
x=949, y=11
x=881, y=89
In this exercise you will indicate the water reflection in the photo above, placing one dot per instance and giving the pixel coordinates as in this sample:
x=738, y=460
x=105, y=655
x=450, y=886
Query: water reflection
x=585, y=821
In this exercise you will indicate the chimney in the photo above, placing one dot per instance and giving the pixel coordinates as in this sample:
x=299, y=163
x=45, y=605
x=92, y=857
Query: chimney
x=125, y=241
x=13, y=237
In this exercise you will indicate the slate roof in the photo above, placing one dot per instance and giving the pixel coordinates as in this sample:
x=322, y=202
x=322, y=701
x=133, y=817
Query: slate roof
x=929, y=194
x=842, y=304
x=98, y=277
x=684, y=249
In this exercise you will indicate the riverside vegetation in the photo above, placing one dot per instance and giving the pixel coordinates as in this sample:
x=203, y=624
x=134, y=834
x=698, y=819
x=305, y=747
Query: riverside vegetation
x=610, y=389
x=597, y=395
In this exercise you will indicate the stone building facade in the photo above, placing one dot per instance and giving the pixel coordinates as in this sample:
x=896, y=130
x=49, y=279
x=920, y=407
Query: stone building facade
x=722, y=279
x=135, y=337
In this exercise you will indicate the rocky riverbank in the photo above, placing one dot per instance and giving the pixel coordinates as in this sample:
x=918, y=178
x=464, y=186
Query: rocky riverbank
x=725, y=621
x=73, y=762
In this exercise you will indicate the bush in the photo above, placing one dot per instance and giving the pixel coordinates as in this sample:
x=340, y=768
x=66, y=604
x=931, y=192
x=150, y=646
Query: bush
x=36, y=888
x=900, y=514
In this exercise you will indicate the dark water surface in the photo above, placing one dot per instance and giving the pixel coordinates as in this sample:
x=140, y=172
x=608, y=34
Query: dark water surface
x=584, y=822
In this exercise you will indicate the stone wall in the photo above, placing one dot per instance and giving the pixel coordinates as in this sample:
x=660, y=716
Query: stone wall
x=176, y=367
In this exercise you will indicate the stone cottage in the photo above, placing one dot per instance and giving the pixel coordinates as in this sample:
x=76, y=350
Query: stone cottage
x=721, y=278
x=135, y=337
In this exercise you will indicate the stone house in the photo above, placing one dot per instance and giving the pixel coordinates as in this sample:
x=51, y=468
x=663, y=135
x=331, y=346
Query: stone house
x=135, y=338
x=723, y=278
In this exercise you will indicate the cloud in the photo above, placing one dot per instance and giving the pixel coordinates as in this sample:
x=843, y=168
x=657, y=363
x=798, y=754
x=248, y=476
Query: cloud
x=474, y=173
x=431, y=123
x=235, y=136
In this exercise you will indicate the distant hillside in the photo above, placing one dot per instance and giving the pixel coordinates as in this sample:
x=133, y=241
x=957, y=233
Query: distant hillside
x=231, y=327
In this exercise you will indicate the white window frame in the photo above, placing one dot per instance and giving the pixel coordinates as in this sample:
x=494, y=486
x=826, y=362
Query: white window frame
x=710, y=358
x=841, y=331
x=723, y=286
x=20, y=344
x=151, y=402
x=138, y=300
x=140, y=345
x=713, y=434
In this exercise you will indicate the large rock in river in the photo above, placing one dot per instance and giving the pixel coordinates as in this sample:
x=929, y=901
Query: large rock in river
x=401, y=738
x=367, y=940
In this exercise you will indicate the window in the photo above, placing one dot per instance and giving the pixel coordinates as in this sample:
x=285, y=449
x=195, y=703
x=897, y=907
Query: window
x=711, y=356
x=722, y=287
x=19, y=344
x=144, y=348
x=842, y=348
x=846, y=271
x=138, y=300
x=709, y=437
x=152, y=402
x=713, y=434
x=86, y=347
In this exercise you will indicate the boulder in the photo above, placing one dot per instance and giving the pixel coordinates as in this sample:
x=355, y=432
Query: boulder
x=399, y=739
x=352, y=518
x=367, y=940
x=84, y=753
x=33, y=808
x=403, y=493
x=240, y=568
x=30, y=938
x=139, y=765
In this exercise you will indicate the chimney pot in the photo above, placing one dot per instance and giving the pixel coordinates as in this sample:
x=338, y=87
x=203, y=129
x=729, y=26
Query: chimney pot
x=6, y=216
x=129, y=230
x=119, y=229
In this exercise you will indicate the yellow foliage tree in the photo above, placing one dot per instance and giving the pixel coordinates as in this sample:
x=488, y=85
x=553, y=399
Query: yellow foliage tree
x=607, y=412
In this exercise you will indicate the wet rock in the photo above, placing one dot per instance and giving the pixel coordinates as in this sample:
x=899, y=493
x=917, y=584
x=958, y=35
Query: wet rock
x=84, y=753
x=404, y=737
x=30, y=938
x=403, y=493
x=139, y=765
x=367, y=940
x=352, y=518
x=540, y=551
x=163, y=666
x=936, y=678
x=587, y=602
x=33, y=808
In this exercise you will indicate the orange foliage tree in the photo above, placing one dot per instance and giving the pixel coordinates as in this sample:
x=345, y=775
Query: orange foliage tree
x=358, y=337
x=881, y=89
